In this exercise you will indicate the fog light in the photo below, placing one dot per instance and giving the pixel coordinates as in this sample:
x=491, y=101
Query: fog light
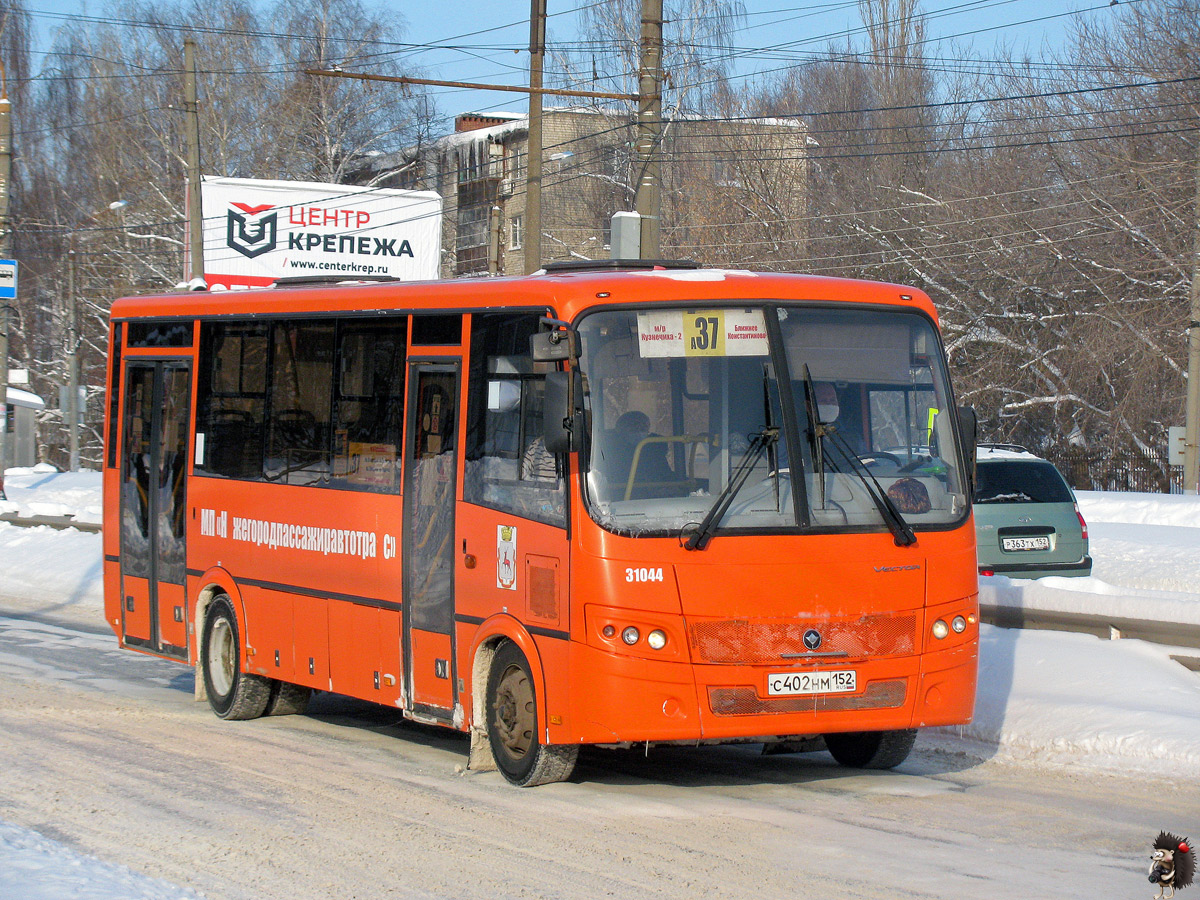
x=959, y=624
x=630, y=635
x=940, y=629
x=656, y=639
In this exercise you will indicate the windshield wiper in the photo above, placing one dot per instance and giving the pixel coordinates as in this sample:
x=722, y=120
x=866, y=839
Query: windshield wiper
x=902, y=532
x=760, y=442
x=816, y=433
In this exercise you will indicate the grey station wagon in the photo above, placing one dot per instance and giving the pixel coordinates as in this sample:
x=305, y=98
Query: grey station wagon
x=1027, y=522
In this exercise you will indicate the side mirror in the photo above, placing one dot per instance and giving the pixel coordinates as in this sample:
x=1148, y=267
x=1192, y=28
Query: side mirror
x=554, y=346
x=562, y=428
x=968, y=429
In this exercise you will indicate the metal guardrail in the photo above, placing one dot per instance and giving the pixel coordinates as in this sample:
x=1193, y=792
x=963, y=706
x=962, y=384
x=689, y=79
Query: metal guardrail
x=59, y=522
x=1171, y=634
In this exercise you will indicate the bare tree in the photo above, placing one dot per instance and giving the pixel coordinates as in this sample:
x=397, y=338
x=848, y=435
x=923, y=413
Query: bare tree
x=108, y=176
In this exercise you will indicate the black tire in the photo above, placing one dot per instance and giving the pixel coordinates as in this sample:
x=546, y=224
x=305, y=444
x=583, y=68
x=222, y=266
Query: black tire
x=871, y=749
x=287, y=699
x=512, y=725
x=232, y=693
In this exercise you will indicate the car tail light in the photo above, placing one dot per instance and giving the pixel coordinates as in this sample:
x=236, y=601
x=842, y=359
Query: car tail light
x=1082, y=524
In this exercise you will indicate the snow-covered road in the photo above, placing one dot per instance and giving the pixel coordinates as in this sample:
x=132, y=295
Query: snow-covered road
x=1062, y=722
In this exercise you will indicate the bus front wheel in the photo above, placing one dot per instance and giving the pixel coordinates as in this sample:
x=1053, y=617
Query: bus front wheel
x=512, y=725
x=871, y=749
x=232, y=693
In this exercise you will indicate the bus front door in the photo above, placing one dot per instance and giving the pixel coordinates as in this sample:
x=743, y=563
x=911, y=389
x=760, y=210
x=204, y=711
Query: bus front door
x=430, y=469
x=153, y=512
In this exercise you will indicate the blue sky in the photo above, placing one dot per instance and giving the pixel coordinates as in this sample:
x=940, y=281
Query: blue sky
x=485, y=35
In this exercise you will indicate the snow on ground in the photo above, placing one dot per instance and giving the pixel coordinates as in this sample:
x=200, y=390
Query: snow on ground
x=36, y=868
x=1046, y=697
x=44, y=491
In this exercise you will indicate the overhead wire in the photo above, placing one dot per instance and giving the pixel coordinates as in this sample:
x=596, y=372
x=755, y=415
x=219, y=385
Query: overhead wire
x=973, y=101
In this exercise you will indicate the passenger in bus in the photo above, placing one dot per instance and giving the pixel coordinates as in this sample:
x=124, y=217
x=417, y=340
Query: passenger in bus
x=830, y=412
x=826, y=399
x=538, y=463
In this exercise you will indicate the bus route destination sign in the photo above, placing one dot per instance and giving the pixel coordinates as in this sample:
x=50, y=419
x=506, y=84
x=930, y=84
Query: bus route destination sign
x=8, y=279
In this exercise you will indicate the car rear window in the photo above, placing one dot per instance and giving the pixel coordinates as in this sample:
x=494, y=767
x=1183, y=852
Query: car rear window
x=1020, y=481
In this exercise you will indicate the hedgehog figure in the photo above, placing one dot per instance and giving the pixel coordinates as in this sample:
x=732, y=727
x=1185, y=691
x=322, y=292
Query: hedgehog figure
x=1172, y=864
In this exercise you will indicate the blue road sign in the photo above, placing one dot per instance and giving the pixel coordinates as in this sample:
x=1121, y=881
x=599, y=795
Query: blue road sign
x=8, y=279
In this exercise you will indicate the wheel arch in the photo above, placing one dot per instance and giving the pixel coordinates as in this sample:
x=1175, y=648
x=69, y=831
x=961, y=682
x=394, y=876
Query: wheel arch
x=491, y=634
x=216, y=583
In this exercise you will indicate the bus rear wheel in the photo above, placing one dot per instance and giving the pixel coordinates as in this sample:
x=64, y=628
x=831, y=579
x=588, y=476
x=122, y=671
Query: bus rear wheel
x=871, y=749
x=287, y=699
x=232, y=693
x=512, y=725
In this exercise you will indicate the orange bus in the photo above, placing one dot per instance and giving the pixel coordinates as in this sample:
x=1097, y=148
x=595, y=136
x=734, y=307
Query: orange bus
x=606, y=504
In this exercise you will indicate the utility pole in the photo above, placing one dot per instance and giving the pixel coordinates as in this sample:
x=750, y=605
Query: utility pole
x=71, y=405
x=1191, y=440
x=5, y=251
x=191, y=108
x=533, y=159
x=648, y=197
x=494, y=241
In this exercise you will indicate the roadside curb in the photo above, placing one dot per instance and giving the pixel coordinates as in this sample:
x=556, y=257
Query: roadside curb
x=58, y=522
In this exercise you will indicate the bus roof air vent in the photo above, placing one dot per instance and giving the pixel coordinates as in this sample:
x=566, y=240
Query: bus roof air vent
x=612, y=265
x=330, y=280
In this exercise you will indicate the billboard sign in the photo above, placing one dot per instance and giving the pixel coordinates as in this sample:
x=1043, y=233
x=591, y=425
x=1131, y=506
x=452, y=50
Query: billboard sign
x=256, y=232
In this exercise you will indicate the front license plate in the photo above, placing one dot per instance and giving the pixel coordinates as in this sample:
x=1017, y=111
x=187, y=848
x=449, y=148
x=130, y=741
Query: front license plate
x=839, y=681
x=1026, y=543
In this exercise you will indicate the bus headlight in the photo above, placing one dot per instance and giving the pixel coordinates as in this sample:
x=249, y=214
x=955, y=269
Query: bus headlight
x=940, y=629
x=630, y=635
x=959, y=624
x=656, y=639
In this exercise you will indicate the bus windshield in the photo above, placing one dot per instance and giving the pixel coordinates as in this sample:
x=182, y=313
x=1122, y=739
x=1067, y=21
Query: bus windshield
x=772, y=418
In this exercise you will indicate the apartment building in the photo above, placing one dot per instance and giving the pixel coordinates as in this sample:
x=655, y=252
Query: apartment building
x=734, y=192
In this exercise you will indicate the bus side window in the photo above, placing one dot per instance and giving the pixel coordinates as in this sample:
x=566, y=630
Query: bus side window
x=369, y=406
x=231, y=403
x=298, y=423
x=507, y=464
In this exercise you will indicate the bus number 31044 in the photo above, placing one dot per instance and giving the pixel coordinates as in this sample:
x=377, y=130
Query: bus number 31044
x=644, y=574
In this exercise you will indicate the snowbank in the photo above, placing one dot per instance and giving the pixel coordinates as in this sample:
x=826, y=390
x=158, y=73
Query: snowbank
x=42, y=490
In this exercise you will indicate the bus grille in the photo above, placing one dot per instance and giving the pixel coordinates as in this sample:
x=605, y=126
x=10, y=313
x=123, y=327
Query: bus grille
x=733, y=641
x=744, y=700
